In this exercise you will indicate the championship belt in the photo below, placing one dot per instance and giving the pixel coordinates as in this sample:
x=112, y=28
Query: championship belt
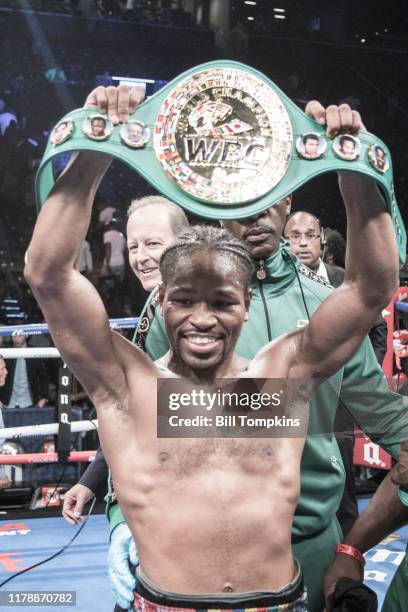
x=224, y=142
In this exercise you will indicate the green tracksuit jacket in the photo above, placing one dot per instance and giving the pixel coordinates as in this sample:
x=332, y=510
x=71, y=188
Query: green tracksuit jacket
x=278, y=307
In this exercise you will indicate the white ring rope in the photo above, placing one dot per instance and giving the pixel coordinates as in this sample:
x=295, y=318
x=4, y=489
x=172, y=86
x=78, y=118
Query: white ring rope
x=35, y=329
x=46, y=429
x=29, y=353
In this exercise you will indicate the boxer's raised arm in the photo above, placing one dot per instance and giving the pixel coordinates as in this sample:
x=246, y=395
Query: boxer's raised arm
x=341, y=322
x=345, y=317
x=71, y=305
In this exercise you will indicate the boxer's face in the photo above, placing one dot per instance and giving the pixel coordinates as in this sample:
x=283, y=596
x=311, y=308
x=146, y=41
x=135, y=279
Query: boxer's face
x=98, y=127
x=135, y=132
x=60, y=132
x=261, y=233
x=380, y=156
x=311, y=146
x=149, y=232
x=204, y=306
x=347, y=147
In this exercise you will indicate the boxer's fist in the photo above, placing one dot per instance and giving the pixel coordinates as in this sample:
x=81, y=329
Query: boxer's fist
x=337, y=119
x=118, y=102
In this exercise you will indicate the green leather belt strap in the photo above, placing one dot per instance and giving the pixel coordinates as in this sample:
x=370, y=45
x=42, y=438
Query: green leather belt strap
x=224, y=142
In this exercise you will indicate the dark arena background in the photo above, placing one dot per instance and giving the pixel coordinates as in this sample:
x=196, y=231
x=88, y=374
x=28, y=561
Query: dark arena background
x=53, y=53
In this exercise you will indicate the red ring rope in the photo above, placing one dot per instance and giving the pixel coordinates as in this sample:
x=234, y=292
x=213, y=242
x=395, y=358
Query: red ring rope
x=45, y=457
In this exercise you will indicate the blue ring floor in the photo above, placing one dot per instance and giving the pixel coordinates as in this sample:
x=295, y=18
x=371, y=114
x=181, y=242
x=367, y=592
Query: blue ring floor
x=82, y=567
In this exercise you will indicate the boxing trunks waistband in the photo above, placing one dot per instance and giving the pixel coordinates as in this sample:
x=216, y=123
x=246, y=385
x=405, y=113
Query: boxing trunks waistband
x=150, y=598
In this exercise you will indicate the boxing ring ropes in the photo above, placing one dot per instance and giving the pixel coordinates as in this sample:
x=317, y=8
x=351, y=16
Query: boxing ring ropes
x=64, y=427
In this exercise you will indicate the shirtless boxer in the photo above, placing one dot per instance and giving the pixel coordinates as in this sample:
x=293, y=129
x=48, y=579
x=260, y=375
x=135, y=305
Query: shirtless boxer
x=212, y=518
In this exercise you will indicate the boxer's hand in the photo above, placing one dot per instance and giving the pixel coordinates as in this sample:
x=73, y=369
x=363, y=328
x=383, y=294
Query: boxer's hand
x=337, y=119
x=118, y=102
x=399, y=473
x=342, y=566
x=122, y=553
x=74, y=502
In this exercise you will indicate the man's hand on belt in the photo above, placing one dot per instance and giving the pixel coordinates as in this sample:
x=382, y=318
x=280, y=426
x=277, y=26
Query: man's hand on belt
x=337, y=119
x=118, y=102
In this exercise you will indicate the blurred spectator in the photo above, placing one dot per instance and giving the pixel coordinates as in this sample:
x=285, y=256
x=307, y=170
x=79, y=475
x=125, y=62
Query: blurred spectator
x=4, y=480
x=85, y=263
x=335, y=249
x=5, y=118
x=27, y=383
x=115, y=246
x=106, y=215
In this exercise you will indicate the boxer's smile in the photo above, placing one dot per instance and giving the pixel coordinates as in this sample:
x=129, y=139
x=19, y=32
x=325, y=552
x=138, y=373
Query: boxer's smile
x=204, y=311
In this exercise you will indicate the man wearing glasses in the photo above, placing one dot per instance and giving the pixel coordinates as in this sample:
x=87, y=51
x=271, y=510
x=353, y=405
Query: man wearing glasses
x=306, y=237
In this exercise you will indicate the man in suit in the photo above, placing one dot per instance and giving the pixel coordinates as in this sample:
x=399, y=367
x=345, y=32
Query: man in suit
x=27, y=381
x=307, y=241
x=306, y=237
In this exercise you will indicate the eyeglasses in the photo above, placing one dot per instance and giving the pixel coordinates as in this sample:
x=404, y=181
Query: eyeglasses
x=296, y=238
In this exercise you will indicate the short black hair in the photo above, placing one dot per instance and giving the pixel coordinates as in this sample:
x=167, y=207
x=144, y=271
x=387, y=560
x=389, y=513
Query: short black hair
x=346, y=137
x=207, y=238
x=307, y=137
x=98, y=118
x=336, y=246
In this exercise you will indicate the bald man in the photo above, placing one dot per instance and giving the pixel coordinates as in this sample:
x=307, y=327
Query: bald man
x=306, y=238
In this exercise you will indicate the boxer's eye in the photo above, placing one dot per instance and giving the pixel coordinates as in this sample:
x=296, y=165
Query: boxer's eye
x=222, y=304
